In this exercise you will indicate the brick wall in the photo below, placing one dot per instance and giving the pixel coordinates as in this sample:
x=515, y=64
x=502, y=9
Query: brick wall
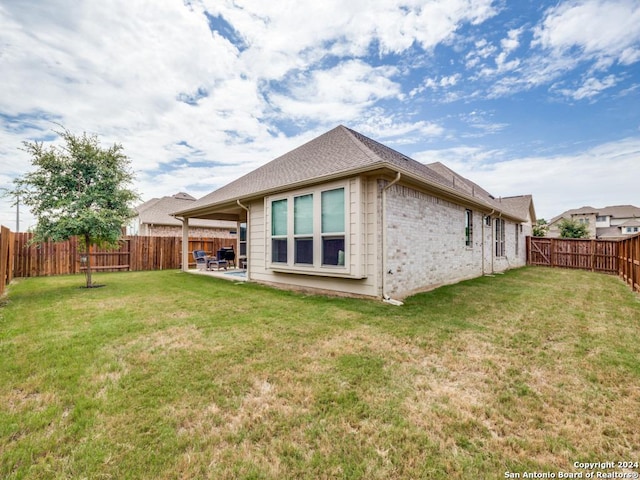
x=426, y=243
x=170, y=231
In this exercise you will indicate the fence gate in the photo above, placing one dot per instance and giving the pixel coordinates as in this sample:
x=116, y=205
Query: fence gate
x=594, y=255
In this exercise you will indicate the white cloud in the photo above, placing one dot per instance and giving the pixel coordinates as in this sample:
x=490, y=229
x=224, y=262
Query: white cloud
x=339, y=94
x=602, y=30
x=512, y=41
x=557, y=183
x=590, y=87
x=344, y=28
x=393, y=131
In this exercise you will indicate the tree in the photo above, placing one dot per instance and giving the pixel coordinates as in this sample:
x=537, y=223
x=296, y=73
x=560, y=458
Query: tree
x=79, y=189
x=540, y=228
x=573, y=229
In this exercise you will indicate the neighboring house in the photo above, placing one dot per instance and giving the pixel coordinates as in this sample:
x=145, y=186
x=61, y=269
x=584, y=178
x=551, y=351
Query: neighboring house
x=154, y=219
x=608, y=223
x=346, y=214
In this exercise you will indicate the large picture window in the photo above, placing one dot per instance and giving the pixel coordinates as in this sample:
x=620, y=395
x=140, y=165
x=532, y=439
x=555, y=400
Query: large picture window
x=308, y=231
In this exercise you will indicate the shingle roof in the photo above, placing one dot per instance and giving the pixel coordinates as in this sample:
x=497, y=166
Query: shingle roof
x=609, y=232
x=157, y=211
x=631, y=223
x=614, y=211
x=620, y=211
x=519, y=205
x=341, y=152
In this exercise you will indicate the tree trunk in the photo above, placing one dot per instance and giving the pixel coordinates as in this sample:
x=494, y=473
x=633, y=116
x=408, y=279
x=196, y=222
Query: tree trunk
x=88, y=271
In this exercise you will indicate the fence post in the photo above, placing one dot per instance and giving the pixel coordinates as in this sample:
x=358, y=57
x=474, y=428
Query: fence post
x=4, y=257
x=633, y=244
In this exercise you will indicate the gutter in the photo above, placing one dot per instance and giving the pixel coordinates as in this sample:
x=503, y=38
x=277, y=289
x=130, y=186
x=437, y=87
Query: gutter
x=386, y=298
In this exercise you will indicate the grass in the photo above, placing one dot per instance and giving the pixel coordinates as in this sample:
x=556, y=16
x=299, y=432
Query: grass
x=164, y=375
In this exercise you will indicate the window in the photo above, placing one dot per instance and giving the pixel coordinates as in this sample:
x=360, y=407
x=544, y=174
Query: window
x=308, y=231
x=468, y=228
x=303, y=229
x=499, y=222
x=518, y=230
x=243, y=239
x=279, y=246
x=333, y=227
x=601, y=219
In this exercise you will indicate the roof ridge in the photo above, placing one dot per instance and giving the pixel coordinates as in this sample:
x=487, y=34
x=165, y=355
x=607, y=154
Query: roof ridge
x=360, y=144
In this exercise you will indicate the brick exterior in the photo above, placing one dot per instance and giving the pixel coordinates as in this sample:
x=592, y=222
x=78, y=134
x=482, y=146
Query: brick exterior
x=171, y=231
x=425, y=243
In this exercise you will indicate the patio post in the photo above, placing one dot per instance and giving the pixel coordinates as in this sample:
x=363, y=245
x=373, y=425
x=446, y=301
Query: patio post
x=185, y=244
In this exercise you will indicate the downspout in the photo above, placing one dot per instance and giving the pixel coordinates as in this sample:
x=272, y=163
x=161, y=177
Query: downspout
x=248, y=236
x=493, y=254
x=484, y=222
x=386, y=297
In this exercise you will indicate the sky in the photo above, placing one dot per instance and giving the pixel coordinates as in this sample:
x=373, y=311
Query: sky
x=522, y=97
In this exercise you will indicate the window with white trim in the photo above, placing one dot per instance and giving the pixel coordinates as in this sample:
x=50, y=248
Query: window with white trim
x=279, y=228
x=308, y=231
x=499, y=237
x=243, y=239
x=303, y=229
x=468, y=228
x=333, y=227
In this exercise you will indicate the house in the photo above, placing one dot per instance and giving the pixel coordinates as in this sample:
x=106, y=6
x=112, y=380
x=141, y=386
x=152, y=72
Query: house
x=346, y=214
x=608, y=223
x=154, y=219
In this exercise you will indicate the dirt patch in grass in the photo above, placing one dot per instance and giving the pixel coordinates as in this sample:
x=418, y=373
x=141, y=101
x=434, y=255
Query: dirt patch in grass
x=180, y=337
x=18, y=400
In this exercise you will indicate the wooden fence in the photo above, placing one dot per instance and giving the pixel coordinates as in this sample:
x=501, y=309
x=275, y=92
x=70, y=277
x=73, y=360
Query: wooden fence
x=629, y=262
x=616, y=257
x=23, y=259
x=6, y=256
x=594, y=255
x=19, y=258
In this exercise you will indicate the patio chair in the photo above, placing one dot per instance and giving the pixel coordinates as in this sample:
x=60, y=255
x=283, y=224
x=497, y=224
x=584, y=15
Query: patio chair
x=201, y=259
x=218, y=262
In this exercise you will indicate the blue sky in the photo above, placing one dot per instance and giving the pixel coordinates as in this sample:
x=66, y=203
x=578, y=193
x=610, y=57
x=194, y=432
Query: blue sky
x=539, y=97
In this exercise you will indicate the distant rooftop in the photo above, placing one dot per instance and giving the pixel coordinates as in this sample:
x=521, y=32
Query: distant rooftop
x=157, y=211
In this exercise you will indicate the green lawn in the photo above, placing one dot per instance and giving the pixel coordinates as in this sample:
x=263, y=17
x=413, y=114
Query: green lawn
x=166, y=375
